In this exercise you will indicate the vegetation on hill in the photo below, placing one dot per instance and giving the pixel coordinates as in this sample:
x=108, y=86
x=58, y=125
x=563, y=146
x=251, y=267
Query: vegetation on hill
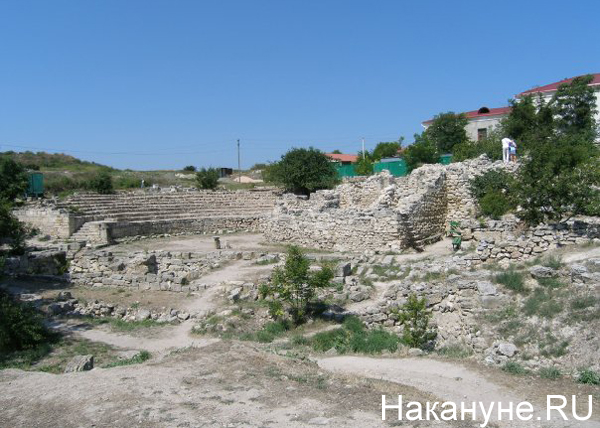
x=14, y=183
x=302, y=171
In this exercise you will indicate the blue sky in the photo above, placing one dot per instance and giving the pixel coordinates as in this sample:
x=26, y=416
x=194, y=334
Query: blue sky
x=162, y=84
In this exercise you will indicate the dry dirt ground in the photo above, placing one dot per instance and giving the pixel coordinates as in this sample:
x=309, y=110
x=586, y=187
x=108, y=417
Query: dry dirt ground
x=196, y=380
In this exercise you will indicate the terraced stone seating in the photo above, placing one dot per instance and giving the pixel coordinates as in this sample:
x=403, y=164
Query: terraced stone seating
x=134, y=213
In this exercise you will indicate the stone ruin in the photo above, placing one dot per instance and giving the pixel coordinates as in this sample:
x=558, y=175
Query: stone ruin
x=101, y=219
x=381, y=211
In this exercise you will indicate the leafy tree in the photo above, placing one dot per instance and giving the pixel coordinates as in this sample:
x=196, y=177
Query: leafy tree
x=364, y=164
x=102, y=183
x=294, y=286
x=574, y=105
x=207, y=178
x=387, y=150
x=494, y=192
x=336, y=152
x=522, y=122
x=447, y=130
x=491, y=146
x=559, y=179
x=13, y=178
x=11, y=229
x=422, y=151
x=302, y=171
x=189, y=168
x=21, y=326
x=415, y=316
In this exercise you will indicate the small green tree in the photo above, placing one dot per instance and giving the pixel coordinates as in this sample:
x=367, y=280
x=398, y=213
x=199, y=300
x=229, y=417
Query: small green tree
x=207, y=178
x=574, y=105
x=294, y=286
x=189, y=168
x=491, y=146
x=13, y=178
x=422, y=151
x=102, y=183
x=414, y=316
x=387, y=149
x=302, y=171
x=364, y=164
x=494, y=191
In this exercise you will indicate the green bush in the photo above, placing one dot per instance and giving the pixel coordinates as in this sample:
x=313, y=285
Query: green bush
x=189, y=168
x=414, y=316
x=493, y=190
x=11, y=229
x=490, y=146
x=21, y=326
x=354, y=337
x=102, y=183
x=207, y=178
x=511, y=279
x=589, y=376
x=13, y=178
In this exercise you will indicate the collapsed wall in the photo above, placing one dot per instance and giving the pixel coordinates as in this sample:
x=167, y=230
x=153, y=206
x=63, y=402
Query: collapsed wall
x=381, y=211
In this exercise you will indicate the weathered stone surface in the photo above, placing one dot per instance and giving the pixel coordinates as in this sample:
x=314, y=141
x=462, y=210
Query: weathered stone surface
x=507, y=349
x=80, y=363
x=542, y=272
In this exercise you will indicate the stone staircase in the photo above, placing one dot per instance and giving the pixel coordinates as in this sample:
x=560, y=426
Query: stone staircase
x=139, y=211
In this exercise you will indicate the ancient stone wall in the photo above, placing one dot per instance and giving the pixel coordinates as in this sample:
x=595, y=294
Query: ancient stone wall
x=48, y=219
x=503, y=240
x=156, y=270
x=37, y=263
x=381, y=211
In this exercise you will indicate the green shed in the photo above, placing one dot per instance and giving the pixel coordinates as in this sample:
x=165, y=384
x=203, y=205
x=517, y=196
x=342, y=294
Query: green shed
x=345, y=170
x=36, y=184
x=446, y=159
x=396, y=167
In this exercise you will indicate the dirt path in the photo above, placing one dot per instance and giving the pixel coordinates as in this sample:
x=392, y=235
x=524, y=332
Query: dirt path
x=448, y=381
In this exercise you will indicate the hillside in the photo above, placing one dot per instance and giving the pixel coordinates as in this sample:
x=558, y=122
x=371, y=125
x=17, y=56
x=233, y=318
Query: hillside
x=64, y=174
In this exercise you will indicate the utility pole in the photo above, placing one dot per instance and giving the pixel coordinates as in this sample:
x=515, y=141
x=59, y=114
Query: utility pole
x=363, y=147
x=239, y=163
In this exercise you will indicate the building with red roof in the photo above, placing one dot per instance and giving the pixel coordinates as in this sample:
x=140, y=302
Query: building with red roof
x=341, y=158
x=482, y=121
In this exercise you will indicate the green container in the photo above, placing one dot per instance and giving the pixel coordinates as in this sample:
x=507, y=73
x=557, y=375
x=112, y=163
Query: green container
x=396, y=167
x=446, y=159
x=345, y=170
x=36, y=184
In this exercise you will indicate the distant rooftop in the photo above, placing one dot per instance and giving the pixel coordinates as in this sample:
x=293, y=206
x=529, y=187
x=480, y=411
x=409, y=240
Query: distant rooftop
x=341, y=157
x=554, y=86
x=482, y=112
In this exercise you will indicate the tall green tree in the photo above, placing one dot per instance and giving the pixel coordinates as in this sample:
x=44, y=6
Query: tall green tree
x=207, y=178
x=574, y=105
x=302, y=171
x=447, y=130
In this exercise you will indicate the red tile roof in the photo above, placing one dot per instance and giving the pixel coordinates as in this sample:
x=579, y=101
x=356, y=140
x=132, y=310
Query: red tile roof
x=554, y=86
x=341, y=157
x=479, y=113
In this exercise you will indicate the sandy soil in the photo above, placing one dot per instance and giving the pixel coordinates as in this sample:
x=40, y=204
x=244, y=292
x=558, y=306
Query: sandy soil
x=453, y=382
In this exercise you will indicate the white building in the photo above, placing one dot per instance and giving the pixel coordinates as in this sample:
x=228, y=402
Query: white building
x=482, y=121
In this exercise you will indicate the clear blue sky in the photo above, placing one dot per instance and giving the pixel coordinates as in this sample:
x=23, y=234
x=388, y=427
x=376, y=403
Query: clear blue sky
x=162, y=84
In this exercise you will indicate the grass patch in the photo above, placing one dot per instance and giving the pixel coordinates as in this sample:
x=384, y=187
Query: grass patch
x=551, y=373
x=515, y=368
x=589, y=377
x=268, y=261
x=353, y=337
x=271, y=330
x=513, y=280
x=550, y=282
x=553, y=262
x=543, y=303
x=137, y=359
x=118, y=324
x=455, y=352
